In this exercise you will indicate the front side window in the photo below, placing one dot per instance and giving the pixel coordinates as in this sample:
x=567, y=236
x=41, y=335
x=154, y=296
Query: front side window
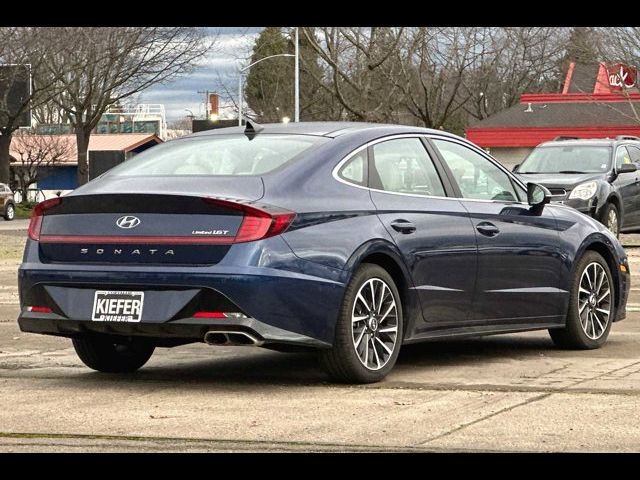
x=622, y=157
x=476, y=176
x=219, y=155
x=634, y=152
x=403, y=166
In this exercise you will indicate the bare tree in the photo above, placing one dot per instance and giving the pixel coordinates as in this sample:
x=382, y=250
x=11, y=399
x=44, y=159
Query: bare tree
x=510, y=61
x=29, y=47
x=179, y=128
x=355, y=59
x=98, y=67
x=33, y=153
x=622, y=45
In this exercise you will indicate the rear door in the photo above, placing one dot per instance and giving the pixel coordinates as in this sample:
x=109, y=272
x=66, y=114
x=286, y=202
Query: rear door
x=519, y=258
x=432, y=231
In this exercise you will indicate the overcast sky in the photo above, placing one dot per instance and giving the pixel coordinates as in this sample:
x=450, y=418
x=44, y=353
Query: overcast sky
x=216, y=71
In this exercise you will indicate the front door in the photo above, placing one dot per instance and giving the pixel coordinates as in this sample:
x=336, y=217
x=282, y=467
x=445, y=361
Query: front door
x=519, y=260
x=433, y=232
x=628, y=185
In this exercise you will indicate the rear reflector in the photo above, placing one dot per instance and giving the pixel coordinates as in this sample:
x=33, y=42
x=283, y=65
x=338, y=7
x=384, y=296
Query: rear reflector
x=39, y=310
x=208, y=315
x=219, y=315
x=36, y=216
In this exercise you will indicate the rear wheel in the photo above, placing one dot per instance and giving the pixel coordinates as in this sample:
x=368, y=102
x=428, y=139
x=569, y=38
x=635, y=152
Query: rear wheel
x=10, y=212
x=369, y=329
x=591, y=307
x=611, y=219
x=105, y=356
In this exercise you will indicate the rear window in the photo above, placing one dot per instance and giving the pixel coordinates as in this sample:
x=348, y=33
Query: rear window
x=219, y=155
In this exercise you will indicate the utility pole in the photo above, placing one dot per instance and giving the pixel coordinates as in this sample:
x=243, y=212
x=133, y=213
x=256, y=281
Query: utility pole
x=296, y=117
x=206, y=102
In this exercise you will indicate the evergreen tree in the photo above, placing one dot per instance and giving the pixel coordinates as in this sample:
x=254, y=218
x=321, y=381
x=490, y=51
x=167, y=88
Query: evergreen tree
x=270, y=89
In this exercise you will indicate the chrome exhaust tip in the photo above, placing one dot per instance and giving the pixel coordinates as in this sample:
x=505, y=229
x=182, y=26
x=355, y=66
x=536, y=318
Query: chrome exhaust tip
x=235, y=338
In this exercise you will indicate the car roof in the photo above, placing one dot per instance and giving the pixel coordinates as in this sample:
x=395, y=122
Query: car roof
x=325, y=129
x=603, y=142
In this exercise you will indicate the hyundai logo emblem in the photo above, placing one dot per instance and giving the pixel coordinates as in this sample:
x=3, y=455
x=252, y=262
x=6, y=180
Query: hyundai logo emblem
x=128, y=221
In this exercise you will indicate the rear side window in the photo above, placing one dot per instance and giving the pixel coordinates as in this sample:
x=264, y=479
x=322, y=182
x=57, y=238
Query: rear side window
x=219, y=155
x=355, y=170
x=404, y=166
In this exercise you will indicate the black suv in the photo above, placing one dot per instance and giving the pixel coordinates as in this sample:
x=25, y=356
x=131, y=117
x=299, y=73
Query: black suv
x=598, y=177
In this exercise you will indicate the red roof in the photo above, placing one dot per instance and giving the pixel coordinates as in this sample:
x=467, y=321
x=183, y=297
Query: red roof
x=588, y=107
x=123, y=142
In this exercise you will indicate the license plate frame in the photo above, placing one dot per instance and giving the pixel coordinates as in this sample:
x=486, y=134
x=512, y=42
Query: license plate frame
x=117, y=306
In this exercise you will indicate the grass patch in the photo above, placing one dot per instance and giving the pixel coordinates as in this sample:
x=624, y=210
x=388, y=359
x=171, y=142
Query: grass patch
x=23, y=210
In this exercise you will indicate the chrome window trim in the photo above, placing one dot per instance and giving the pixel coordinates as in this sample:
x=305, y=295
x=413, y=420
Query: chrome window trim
x=462, y=142
x=373, y=142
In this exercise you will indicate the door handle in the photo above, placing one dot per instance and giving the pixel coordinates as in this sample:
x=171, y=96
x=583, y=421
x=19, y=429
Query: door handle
x=487, y=229
x=403, y=226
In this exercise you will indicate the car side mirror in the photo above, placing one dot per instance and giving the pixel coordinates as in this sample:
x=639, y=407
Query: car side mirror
x=537, y=196
x=515, y=168
x=627, y=168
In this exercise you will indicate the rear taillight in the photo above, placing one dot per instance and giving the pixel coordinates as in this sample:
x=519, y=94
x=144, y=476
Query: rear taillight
x=36, y=216
x=258, y=223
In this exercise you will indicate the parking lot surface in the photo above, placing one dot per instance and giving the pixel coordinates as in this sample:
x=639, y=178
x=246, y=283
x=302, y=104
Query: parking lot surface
x=501, y=393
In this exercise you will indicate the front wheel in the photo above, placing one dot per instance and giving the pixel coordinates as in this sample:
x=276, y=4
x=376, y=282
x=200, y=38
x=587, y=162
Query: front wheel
x=611, y=219
x=591, y=306
x=10, y=212
x=369, y=329
x=105, y=356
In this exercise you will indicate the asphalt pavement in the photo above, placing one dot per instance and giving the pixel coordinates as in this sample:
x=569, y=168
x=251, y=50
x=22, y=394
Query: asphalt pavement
x=501, y=393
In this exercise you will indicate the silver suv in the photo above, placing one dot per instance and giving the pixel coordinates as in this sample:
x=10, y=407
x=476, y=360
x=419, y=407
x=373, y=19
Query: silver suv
x=6, y=200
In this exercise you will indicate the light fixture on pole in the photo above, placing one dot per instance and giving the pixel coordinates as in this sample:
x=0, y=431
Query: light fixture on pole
x=240, y=83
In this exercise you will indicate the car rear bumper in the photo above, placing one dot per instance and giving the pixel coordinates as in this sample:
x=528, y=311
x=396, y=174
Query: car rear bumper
x=277, y=306
x=169, y=333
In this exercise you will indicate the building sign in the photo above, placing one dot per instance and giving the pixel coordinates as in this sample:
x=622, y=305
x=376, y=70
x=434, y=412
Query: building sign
x=622, y=76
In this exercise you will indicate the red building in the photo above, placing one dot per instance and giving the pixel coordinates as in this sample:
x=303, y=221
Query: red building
x=596, y=102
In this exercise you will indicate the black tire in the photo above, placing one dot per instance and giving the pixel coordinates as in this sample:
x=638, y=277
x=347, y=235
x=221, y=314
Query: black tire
x=611, y=209
x=105, y=356
x=9, y=212
x=342, y=362
x=573, y=335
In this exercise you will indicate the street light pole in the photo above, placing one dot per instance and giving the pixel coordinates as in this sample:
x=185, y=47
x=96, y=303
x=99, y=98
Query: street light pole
x=240, y=100
x=241, y=72
x=296, y=117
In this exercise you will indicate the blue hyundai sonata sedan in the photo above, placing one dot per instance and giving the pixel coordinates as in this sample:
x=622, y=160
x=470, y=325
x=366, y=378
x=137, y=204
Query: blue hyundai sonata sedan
x=350, y=239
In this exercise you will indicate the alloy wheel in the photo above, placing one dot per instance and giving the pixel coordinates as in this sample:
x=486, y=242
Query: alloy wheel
x=594, y=301
x=612, y=222
x=10, y=212
x=374, y=324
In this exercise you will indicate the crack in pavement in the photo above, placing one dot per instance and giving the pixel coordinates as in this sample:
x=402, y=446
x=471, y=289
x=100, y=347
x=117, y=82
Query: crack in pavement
x=234, y=444
x=566, y=389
